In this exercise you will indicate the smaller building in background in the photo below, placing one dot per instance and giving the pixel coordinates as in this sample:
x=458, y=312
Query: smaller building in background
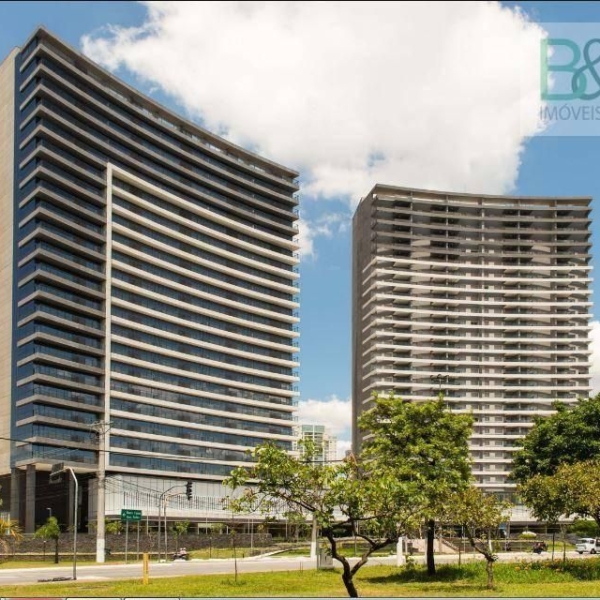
x=325, y=442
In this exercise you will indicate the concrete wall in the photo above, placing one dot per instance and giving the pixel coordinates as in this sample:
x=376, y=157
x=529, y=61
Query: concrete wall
x=86, y=544
x=7, y=152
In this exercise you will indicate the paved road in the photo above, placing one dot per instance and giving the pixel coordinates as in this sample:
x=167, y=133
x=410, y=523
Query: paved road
x=109, y=572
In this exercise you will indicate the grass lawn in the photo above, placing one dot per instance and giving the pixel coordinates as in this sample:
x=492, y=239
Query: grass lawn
x=302, y=551
x=577, y=578
x=205, y=553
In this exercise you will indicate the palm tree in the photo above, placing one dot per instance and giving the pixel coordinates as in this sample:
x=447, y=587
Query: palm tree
x=50, y=531
x=9, y=530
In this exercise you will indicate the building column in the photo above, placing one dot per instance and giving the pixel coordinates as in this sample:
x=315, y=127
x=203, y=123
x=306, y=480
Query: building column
x=15, y=494
x=30, y=499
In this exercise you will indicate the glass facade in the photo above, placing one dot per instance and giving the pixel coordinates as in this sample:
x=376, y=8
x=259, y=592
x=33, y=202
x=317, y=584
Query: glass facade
x=155, y=281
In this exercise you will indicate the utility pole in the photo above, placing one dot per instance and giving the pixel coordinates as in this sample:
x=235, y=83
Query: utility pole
x=100, y=428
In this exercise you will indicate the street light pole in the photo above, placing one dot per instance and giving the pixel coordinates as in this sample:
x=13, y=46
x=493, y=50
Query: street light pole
x=55, y=475
x=165, y=513
x=166, y=533
x=75, y=522
x=162, y=506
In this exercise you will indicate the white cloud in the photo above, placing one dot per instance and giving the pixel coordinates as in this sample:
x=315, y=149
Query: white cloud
x=305, y=239
x=424, y=94
x=325, y=225
x=331, y=224
x=595, y=358
x=334, y=413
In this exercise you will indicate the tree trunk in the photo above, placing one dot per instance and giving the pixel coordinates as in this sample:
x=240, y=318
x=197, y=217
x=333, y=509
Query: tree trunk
x=490, y=574
x=430, y=542
x=483, y=549
x=350, y=587
x=347, y=573
x=56, y=551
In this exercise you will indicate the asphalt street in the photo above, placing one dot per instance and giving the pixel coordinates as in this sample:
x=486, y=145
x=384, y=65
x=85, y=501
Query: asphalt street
x=110, y=572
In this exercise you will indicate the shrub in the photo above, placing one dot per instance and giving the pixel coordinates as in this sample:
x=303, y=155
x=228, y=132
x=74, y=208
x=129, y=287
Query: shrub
x=584, y=528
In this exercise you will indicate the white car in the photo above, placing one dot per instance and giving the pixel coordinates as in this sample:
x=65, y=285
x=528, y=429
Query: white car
x=590, y=545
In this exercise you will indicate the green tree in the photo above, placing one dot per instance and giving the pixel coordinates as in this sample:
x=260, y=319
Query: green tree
x=217, y=528
x=110, y=526
x=297, y=520
x=179, y=528
x=544, y=495
x=384, y=506
x=480, y=516
x=569, y=436
x=9, y=530
x=584, y=528
x=425, y=443
x=580, y=485
x=574, y=489
x=113, y=527
x=50, y=531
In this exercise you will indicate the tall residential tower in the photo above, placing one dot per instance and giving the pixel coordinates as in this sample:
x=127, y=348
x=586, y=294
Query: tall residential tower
x=485, y=299
x=320, y=435
x=149, y=299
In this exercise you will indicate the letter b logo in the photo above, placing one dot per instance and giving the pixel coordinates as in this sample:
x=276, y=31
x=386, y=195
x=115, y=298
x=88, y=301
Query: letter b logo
x=579, y=74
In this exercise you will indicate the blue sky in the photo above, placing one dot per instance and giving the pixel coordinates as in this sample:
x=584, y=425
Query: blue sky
x=548, y=165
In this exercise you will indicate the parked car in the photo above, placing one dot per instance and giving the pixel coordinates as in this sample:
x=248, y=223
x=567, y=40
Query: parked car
x=590, y=545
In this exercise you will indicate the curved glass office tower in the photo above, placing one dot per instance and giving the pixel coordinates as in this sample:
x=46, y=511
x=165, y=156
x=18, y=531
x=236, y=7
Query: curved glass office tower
x=485, y=299
x=151, y=267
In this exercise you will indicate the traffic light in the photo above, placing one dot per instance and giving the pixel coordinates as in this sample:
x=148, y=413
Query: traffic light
x=55, y=478
x=188, y=490
x=56, y=473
